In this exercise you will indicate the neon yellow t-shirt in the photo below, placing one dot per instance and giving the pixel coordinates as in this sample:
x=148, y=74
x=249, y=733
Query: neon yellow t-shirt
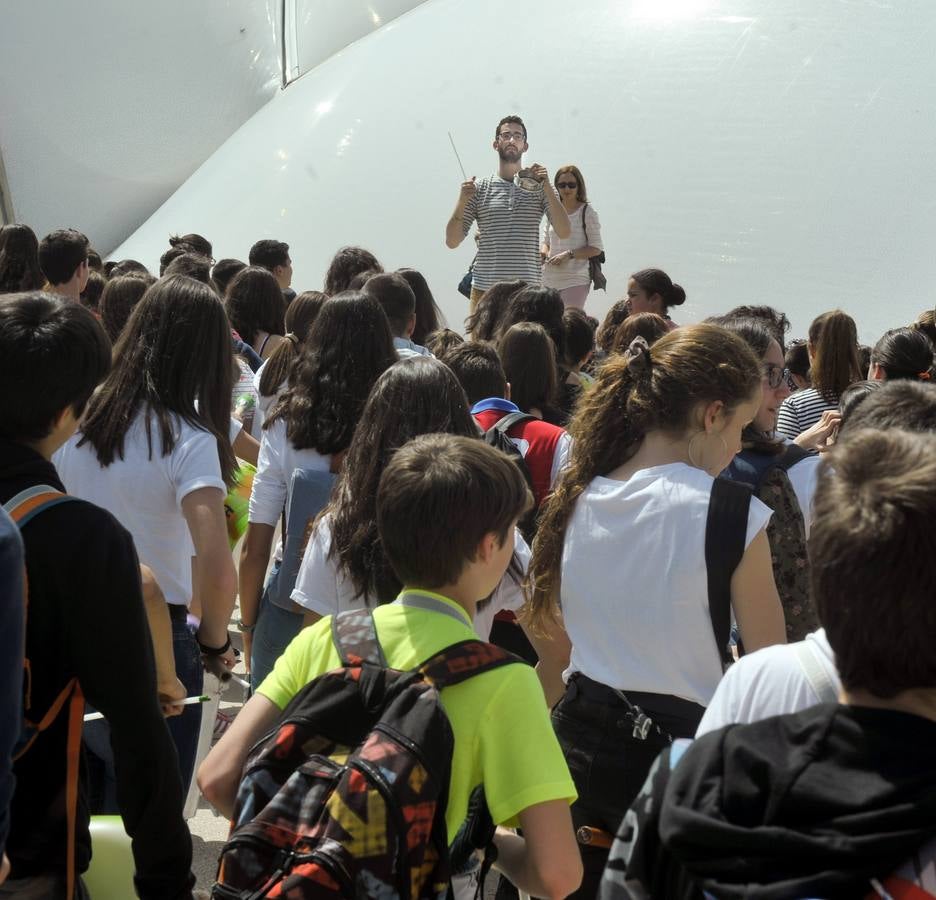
x=503, y=736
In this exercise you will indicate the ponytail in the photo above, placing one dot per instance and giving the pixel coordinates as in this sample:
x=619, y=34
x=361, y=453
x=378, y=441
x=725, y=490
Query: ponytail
x=300, y=314
x=833, y=338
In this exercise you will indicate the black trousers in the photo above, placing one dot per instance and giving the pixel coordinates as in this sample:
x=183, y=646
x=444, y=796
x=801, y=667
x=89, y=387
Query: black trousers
x=608, y=763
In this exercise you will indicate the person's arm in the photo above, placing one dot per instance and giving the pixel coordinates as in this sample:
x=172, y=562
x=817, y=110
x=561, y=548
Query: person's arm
x=754, y=597
x=460, y=222
x=545, y=861
x=558, y=217
x=821, y=435
x=246, y=447
x=215, y=579
x=168, y=686
x=220, y=772
x=255, y=556
x=553, y=649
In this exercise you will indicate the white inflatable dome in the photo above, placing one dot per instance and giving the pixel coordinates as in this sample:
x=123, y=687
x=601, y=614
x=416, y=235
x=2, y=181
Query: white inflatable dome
x=760, y=153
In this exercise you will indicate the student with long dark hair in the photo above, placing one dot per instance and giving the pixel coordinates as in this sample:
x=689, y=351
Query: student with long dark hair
x=345, y=264
x=256, y=310
x=484, y=323
x=344, y=564
x=429, y=317
x=529, y=360
x=310, y=427
x=154, y=449
x=120, y=295
x=620, y=549
x=833, y=366
x=19, y=260
x=902, y=353
x=649, y=326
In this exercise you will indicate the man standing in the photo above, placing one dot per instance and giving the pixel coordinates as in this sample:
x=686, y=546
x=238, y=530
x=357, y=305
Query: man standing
x=274, y=257
x=507, y=214
x=63, y=258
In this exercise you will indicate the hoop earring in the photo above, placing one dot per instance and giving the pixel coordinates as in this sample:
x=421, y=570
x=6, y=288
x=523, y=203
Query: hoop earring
x=705, y=436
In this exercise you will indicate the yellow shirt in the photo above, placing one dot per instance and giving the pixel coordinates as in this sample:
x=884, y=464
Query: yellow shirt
x=503, y=736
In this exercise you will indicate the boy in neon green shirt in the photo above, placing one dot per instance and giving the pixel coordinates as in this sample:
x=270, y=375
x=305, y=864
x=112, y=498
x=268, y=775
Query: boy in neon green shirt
x=503, y=736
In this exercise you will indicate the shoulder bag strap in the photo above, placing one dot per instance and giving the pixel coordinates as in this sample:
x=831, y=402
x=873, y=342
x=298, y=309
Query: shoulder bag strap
x=26, y=505
x=355, y=638
x=464, y=660
x=815, y=672
x=505, y=423
x=725, y=533
x=585, y=225
x=790, y=457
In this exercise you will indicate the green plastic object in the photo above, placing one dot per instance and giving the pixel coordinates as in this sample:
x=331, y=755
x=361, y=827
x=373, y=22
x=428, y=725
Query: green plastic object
x=110, y=875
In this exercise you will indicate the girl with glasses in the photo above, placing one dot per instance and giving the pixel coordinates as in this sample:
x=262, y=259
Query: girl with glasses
x=565, y=260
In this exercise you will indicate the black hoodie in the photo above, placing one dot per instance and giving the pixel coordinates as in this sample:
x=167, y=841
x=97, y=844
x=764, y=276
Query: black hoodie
x=813, y=804
x=86, y=618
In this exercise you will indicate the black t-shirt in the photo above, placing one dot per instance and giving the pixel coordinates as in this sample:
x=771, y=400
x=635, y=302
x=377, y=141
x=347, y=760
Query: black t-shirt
x=86, y=618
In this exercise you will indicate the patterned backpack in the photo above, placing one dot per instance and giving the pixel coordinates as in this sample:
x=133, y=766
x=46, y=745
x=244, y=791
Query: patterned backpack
x=347, y=796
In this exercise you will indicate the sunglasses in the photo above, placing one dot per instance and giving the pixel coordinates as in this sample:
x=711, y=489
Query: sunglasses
x=566, y=184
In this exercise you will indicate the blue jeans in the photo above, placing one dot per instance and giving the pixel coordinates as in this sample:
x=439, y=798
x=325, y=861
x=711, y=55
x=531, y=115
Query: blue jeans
x=184, y=729
x=276, y=627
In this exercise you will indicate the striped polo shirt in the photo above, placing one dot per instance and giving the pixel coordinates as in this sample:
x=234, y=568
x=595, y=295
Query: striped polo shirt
x=509, y=220
x=801, y=411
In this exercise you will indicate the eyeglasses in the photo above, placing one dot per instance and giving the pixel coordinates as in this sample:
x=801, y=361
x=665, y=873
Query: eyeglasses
x=776, y=376
x=512, y=136
x=567, y=184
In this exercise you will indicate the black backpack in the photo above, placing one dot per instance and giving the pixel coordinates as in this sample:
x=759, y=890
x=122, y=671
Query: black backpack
x=497, y=437
x=346, y=797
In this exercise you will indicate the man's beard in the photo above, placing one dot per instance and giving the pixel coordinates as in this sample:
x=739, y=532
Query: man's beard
x=509, y=154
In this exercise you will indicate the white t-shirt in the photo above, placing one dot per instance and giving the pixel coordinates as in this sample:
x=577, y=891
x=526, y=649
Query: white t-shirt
x=633, y=582
x=264, y=401
x=572, y=272
x=321, y=587
x=803, y=476
x=145, y=495
x=769, y=682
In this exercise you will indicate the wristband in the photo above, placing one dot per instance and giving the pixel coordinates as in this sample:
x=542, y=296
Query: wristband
x=243, y=627
x=215, y=651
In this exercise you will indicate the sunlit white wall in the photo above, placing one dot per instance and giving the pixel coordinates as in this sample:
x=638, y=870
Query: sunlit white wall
x=107, y=107
x=773, y=153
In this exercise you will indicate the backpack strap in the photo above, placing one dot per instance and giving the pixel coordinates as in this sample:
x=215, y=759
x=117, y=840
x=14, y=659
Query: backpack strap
x=355, y=638
x=26, y=505
x=789, y=458
x=725, y=533
x=815, y=672
x=505, y=423
x=464, y=660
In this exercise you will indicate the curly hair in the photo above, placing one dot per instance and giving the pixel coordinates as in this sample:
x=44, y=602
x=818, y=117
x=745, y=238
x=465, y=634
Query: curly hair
x=345, y=264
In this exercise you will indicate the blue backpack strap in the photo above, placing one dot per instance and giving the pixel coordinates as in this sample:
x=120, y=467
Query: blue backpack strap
x=355, y=638
x=26, y=505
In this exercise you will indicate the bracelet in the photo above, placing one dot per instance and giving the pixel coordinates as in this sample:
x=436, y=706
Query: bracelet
x=243, y=627
x=215, y=651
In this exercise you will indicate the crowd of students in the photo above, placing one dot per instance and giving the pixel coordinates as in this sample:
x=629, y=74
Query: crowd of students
x=647, y=512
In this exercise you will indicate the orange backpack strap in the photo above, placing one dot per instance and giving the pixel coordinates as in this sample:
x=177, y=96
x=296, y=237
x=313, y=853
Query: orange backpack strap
x=26, y=505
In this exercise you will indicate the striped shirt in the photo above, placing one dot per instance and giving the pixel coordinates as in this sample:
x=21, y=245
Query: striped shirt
x=509, y=219
x=801, y=411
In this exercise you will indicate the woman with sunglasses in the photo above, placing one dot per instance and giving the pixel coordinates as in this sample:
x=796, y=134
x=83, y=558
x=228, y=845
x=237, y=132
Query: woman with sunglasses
x=565, y=260
x=782, y=475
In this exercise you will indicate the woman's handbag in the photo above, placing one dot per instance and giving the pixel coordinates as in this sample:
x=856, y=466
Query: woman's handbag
x=595, y=275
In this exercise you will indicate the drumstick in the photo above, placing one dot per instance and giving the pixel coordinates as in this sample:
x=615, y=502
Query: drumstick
x=460, y=166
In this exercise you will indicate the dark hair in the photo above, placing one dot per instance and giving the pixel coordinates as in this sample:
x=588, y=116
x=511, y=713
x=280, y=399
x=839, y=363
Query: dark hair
x=758, y=335
x=796, y=358
x=580, y=194
x=269, y=254
x=345, y=264
x=171, y=254
x=541, y=305
x=126, y=267
x=484, y=323
x=95, y=263
x=19, y=260
x=529, y=360
x=776, y=322
x=440, y=342
x=472, y=487
x=395, y=297
x=833, y=339
x=300, y=314
x=910, y=405
x=53, y=354
x=649, y=326
x=61, y=253
x=120, y=295
x=654, y=389
x=872, y=538
x=419, y=395
x=618, y=313
x=94, y=287
x=223, y=272
x=926, y=322
x=579, y=336
x=192, y=243
x=854, y=395
x=349, y=345
x=194, y=265
x=254, y=303
x=904, y=353
x=172, y=360
x=428, y=316
x=864, y=359
x=510, y=120
x=478, y=369
x=656, y=281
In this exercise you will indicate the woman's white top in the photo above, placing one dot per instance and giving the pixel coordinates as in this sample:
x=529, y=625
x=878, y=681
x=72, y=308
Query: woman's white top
x=572, y=272
x=803, y=477
x=264, y=401
x=145, y=495
x=321, y=587
x=634, y=589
